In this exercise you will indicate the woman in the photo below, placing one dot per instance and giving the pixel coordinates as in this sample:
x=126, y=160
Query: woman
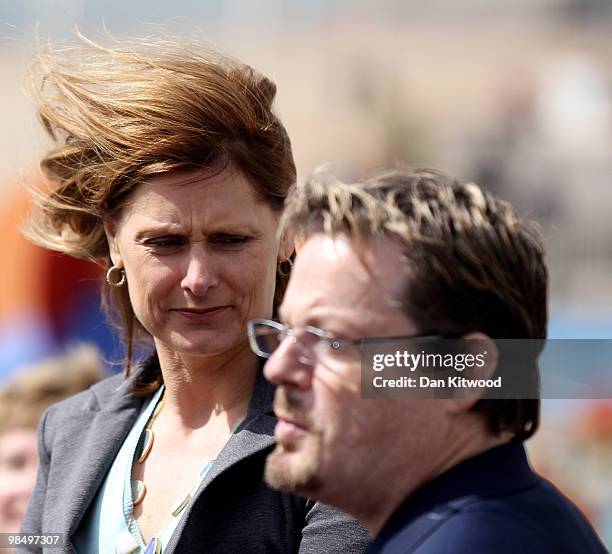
x=171, y=167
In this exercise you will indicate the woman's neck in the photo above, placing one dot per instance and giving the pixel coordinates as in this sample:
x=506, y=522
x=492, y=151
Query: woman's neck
x=200, y=388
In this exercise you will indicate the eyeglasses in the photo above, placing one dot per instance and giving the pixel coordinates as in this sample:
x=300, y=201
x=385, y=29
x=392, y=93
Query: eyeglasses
x=315, y=344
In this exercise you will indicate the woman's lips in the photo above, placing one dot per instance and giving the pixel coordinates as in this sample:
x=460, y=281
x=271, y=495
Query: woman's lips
x=201, y=315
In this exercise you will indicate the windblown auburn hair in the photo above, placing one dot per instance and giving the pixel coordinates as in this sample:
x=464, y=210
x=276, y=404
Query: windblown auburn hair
x=475, y=264
x=120, y=115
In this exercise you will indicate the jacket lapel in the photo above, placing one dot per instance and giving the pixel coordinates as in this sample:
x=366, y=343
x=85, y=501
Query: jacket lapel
x=254, y=434
x=87, y=469
x=87, y=463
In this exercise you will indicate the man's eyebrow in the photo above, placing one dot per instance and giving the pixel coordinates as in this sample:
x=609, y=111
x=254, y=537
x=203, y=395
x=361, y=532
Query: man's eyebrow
x=311, y=321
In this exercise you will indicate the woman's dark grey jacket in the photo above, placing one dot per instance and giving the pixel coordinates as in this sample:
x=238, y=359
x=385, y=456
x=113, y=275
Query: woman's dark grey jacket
x=233, y=511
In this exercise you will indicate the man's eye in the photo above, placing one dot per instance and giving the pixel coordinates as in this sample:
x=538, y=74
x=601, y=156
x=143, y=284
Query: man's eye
x=223, y=239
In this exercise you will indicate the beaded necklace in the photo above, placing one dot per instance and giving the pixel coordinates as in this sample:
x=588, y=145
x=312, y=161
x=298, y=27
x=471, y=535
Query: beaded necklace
x=145, y=444
x=126, y=542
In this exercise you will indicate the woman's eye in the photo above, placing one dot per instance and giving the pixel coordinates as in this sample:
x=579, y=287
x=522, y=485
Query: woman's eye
x=166, y=242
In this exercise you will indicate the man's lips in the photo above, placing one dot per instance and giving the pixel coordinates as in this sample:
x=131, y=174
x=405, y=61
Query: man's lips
x=289, y=428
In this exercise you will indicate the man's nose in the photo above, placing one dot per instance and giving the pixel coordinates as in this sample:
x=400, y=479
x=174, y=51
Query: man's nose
x=201, y=271
x=287, y=365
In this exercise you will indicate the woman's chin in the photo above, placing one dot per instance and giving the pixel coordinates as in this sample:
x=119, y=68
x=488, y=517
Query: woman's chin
x=203, y=345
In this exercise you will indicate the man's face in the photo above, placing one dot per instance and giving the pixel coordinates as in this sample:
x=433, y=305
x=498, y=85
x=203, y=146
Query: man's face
x=328, y=438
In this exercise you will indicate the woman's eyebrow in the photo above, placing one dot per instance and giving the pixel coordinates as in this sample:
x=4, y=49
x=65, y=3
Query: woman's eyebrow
x=161, y=228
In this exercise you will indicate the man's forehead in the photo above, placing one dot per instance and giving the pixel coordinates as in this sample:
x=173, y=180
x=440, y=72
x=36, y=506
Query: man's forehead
x=330, y=274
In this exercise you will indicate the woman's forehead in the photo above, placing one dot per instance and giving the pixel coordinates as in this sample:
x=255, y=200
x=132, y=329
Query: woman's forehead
x=195, y=196
x=194, y=175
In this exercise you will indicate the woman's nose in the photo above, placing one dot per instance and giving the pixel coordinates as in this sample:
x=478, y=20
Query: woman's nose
x=200, y=272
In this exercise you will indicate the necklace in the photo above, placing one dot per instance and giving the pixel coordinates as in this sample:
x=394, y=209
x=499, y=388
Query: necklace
x=145, y=444
x=129, y=542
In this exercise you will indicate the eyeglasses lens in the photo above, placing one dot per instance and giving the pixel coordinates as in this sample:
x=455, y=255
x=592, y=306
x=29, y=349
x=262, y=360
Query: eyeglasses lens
x=267, y=339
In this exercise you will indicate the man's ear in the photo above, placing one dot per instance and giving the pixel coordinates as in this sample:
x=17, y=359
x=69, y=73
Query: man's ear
x=286, y=246
x=484, y=349
x=110, y=230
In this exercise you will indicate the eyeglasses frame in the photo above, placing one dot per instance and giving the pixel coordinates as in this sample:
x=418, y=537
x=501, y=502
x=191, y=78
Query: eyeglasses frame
x=324, y=336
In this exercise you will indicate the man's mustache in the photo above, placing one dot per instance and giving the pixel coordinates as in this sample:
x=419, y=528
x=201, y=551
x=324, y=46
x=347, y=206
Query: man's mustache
x=287, y=406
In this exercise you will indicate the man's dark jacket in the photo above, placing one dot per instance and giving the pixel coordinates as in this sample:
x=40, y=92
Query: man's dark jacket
x=492, y=503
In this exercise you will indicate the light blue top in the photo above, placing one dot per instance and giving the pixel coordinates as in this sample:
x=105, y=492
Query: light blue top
x=109, y=519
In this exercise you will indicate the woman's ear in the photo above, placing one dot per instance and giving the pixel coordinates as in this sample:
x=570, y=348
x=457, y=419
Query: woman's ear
x=286, y=246
x=110, y=230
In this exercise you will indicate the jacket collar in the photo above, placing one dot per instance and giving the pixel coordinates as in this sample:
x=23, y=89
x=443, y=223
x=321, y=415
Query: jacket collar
x=106, y=425
x=254, y=435
x=112, y=420
x=495, y=472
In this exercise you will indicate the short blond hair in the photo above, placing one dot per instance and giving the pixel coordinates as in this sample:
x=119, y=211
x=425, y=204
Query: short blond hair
x=474, y=263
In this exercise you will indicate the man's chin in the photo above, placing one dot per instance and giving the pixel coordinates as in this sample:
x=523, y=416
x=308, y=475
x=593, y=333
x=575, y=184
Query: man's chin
x=293, y=472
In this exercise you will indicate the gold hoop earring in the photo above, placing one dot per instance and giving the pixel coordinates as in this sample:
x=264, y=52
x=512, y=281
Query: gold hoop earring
x=285, y=273
x=113, y=282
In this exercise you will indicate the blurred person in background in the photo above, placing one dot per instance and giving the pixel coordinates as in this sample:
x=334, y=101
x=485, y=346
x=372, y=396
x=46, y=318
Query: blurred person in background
x=413, y=255
x=22, y=403
x=171, y=169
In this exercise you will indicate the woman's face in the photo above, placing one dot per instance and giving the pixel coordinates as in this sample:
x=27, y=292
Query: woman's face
x=199, y=258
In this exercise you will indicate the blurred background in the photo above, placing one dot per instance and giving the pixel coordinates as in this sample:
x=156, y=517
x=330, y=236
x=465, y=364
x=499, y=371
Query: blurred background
x=516, y=96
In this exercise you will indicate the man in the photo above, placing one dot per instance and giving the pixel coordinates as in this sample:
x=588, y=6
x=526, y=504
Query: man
x=409, y=254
